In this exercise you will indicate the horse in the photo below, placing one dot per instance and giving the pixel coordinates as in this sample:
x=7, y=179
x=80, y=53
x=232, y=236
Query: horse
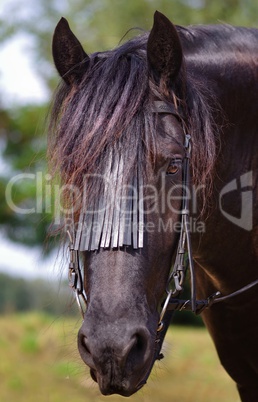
x=156, y=146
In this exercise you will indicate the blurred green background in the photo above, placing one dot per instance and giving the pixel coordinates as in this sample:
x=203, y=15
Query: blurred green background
x=37, y=319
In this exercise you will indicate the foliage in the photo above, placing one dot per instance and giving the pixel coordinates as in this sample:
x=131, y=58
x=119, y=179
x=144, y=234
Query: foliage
x=22, y=179
x=101, y=24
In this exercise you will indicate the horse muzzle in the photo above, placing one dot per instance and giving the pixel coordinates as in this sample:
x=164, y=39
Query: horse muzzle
x=120, y=357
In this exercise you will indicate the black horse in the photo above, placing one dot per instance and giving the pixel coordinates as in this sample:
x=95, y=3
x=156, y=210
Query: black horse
x=128, y=126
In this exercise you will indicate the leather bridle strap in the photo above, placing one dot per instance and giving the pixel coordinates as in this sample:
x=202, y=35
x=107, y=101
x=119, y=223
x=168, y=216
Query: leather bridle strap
x=75, y=277
x=164, y=107
x=180, y=305
x=172, y=302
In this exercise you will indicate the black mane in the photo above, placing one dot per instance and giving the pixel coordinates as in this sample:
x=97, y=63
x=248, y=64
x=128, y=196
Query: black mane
x=113, y=104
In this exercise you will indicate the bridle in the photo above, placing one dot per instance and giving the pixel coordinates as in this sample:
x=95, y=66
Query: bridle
x=183, y=258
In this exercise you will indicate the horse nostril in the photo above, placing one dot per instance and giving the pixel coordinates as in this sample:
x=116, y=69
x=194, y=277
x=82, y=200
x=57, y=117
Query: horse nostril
x=84, y=349
x=140, y=344
x=138, y=352
x=85, y=345
x=93, y=375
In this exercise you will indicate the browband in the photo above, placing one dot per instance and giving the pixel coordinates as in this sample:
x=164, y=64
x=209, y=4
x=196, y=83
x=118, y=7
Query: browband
x=165, y=107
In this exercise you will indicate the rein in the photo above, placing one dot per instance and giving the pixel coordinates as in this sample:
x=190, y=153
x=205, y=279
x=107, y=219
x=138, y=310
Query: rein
x=183, y=260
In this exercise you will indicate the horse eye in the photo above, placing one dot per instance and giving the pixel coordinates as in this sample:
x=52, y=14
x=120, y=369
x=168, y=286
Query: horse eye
x=173, y=167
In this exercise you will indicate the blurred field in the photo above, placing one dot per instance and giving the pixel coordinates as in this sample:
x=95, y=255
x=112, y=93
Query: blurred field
x=39, y=362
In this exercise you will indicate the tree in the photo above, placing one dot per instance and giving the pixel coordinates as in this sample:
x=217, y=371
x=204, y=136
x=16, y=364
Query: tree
x=100, y=24
x=22, y=180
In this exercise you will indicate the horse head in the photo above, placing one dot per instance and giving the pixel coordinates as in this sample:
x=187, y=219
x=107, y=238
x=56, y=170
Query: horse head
x=120, y=141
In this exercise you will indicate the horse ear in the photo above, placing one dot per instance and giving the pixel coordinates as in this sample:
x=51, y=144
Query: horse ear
x=68, y=54
x=164, y=51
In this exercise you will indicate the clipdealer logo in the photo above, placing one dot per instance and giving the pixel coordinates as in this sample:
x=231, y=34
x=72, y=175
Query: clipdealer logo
x=48, y=197
x=244, y=187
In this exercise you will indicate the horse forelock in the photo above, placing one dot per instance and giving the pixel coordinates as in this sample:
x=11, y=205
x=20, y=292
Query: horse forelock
x=113, y=105
x=110, y=106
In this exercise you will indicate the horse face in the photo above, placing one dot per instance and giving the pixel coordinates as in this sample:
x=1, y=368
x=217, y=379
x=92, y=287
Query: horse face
x=125, y=286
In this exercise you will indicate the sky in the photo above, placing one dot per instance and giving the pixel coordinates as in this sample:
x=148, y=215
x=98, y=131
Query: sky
x=13, y=88
x=14, y=258
x=19, y=81
x=17, y=260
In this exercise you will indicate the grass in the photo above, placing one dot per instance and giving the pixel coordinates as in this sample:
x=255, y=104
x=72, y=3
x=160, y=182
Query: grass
x=39, y=363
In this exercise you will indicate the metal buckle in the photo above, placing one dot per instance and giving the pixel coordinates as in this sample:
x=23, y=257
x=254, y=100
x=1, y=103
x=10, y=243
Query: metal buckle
x=163, y=311
x=188, y=142
x=75, y=278
x=81, y=302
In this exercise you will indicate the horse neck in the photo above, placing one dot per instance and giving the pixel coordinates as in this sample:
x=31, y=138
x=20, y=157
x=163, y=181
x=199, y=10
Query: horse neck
x=235, y=83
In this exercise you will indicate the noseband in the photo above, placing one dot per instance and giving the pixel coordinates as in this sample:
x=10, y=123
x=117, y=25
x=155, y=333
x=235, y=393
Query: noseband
x=183, y=258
